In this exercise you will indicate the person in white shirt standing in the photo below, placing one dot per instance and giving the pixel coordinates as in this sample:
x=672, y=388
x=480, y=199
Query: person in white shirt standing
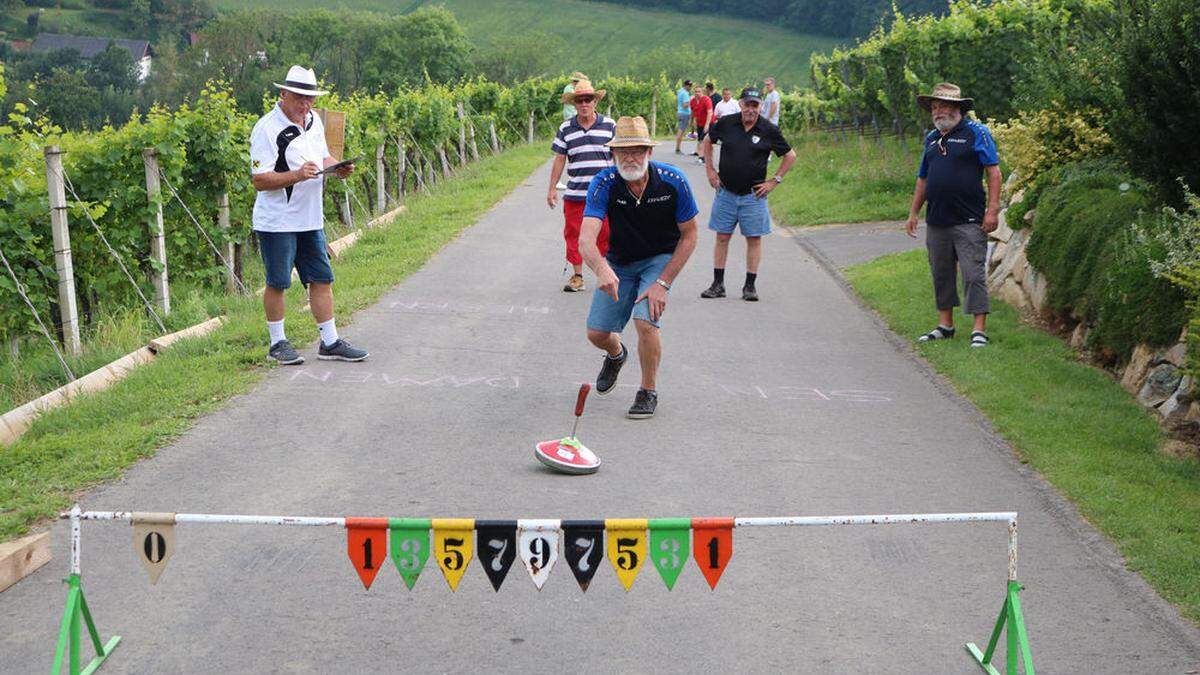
x=770, y=104
x=288, y=157
x=727, y=105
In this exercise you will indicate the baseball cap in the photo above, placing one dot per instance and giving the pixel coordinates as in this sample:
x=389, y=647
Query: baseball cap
x=751, y=94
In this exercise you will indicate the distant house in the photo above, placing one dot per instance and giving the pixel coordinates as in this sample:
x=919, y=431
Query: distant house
x=89, y=47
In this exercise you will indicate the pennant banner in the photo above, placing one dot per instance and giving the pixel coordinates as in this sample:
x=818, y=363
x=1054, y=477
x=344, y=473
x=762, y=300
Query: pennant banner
x=538, y=543
x=626, y=547
x=154, y=541
x=409, y=546
x=583, y=546
x=497, y=548
x=669, y=547
x=453, y=547
x=712, y=542
x=366, y=544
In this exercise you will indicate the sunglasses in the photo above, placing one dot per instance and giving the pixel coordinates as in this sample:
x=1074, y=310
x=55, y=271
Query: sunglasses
x=585, y=99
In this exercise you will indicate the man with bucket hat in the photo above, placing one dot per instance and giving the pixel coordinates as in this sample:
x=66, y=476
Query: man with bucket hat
x=288, y=157
x=580, y=146
x=652, y=216
x=959, y=153
x=747, y=141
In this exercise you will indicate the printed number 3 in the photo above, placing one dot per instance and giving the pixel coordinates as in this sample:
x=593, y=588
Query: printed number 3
x=671, y=547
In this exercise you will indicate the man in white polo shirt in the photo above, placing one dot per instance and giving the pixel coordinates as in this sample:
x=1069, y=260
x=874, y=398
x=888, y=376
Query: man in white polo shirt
x=288, y=156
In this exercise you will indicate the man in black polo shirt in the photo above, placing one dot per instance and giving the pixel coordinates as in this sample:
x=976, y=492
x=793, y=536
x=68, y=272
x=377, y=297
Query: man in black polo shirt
x=652, y=232
x=958, y=154
x=747, y=141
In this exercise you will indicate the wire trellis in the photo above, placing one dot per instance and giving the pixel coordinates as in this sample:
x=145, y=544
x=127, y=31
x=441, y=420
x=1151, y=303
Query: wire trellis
x=38, y=318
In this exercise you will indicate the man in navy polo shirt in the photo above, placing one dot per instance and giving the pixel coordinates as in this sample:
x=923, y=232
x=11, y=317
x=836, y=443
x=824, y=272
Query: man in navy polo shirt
x=958, y=154
x=652, y=233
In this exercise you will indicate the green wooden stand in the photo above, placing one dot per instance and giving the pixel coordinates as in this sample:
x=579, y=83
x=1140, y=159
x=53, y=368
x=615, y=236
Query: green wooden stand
x=1012, y=623
x=68, y=634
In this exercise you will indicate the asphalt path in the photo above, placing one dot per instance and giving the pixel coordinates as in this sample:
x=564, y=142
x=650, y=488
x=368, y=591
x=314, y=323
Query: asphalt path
x=801, y=404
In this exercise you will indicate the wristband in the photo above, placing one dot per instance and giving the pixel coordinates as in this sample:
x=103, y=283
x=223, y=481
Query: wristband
x=662, y=283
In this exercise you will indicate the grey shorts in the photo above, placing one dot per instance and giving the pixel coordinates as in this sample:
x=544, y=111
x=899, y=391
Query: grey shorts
x=962, y=248
x=682, y=120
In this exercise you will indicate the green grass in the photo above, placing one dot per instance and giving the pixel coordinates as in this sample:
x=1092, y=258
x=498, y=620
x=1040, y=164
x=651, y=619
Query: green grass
x=1071, y=422
x=600, y=38
x=98, y=436
x=847, y=181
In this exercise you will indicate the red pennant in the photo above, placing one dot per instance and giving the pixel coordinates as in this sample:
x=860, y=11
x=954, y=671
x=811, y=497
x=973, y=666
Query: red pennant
x=366, y=544
x=712, y=546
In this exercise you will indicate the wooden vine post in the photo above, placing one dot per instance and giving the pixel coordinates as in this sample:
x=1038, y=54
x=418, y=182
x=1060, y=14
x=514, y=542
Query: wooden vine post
x=68, y=312
x=654, y=113
x=462, y=135
x=495, y=140
x=380, y=179
x=401, y=169
x=158, y=240
x=227, y=243
x=529, y=134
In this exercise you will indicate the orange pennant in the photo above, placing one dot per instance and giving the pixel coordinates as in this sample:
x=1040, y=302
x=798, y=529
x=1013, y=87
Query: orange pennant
x=712, y=546
x=366, y=544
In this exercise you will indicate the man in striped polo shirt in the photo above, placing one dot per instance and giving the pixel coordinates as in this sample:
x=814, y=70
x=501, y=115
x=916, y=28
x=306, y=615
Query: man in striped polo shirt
x=580, y=146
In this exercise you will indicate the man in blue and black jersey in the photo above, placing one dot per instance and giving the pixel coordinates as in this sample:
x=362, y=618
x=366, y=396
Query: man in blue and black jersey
x=652, y=232
x=959, y=153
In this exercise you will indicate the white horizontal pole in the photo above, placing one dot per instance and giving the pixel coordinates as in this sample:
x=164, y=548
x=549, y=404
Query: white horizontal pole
x=213, y=519
x=808, y=521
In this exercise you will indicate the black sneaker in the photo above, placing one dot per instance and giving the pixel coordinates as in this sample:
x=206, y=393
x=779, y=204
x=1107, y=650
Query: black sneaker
x=341, y=351
x=607, y=379
x=749, y=294
x=717, y=290
x=285, y=354
x=643, y=405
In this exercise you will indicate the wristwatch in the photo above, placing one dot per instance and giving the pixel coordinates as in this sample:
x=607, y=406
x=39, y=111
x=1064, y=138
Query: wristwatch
x=778, y=179
x=662, y=283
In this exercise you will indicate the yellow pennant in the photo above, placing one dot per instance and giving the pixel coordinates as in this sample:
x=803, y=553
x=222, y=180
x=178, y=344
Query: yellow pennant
x=626, y=547
x=453, y=547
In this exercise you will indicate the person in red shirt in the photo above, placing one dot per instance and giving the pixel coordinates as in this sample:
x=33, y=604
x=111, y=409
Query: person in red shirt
x=702, y=108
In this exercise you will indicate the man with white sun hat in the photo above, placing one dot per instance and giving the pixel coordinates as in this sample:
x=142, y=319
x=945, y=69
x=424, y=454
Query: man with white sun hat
x=288, y=157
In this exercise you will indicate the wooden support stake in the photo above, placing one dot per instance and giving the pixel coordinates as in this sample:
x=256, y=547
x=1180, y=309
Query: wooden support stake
x=68, y=312
x=401, y=169
x=227, y=245
x=158, y=240
x=495, y=140
x=462, y=135
x=416, y=163
x=445, y=161
x=474, y=147
x=529, y=134
x=380, y=178
x=654, y=113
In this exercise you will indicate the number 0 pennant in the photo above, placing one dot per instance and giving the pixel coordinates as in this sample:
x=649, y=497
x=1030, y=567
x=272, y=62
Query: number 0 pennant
x=712, y=543
x=669, y=547
x=497, y=548
x=154, y=541
x=409, y=547
x=366, y=544
x=538, y=543
x=626, y=547
x=583, y=545
x=453, y=547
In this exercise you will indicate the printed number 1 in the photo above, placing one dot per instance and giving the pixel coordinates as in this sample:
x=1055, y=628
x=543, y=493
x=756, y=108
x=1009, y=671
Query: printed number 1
x=367, y=555
x=712, y=553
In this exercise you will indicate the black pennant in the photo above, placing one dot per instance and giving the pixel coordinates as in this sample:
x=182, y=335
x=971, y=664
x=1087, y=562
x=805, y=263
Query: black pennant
x=583, y=544
x=497, y=543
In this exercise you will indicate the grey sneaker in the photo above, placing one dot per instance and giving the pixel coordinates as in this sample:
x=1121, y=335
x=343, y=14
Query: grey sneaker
x=341, y=351
x=607, y=379
x=749, y=294
x=714, y=291
x=285, y=354
x=643, y=405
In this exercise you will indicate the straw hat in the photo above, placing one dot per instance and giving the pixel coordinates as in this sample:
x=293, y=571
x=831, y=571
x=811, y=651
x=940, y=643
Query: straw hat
x=944, y=91
x=631, y=132
x=301, y=80
x=577, y=76
x=583, y=88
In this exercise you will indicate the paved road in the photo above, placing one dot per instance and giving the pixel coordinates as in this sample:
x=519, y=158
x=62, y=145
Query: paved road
x=846, y=245
x=762, y=412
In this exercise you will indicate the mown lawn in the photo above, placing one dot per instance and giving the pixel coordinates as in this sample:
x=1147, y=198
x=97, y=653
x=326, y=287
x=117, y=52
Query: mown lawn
x=98, y=436
x=1070, y=421
x=851, y=180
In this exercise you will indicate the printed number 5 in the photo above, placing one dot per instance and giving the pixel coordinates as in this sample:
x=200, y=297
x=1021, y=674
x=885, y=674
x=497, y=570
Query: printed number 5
x=454, y=560
x=626, y=557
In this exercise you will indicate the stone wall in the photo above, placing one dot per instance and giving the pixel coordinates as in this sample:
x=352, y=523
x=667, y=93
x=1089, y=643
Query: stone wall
x=1154, y=375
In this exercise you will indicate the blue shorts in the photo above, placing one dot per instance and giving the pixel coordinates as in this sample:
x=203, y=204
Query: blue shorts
x=281, y=251
x=681, y=121
x=747, y=211
x=610, y=315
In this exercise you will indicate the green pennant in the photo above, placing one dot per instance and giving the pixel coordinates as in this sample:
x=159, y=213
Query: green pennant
x=669, y=547
x=410, y=546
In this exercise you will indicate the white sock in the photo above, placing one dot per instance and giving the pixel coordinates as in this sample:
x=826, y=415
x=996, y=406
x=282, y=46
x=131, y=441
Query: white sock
x=275, y=329
x=328, y=332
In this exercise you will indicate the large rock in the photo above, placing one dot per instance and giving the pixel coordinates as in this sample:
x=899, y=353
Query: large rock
x=1135, y=371
x=1029, y=216
x=1020, y=267
x=1079, y=335
x=1176, y=355
x=1035, y=285
x=1011, y=293
x=1015, y=247
x=1173, y=408
x=998, y=252
x=1160, y=385
x=1002, y=232
x=1017, y=198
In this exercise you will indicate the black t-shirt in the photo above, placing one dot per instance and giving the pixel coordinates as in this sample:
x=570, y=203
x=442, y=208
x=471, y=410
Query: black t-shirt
x=716, y=98
x=640, y=228
x=744, y=154
x=952, y=167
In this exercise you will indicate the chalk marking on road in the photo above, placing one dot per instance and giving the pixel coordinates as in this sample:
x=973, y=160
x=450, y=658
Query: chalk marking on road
x=451, y=307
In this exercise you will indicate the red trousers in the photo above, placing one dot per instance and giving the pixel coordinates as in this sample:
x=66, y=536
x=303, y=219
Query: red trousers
x=573, y=215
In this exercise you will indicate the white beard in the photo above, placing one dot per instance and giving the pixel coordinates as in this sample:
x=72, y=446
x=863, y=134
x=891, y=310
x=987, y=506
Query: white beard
x=947, y=123
x=634, y=174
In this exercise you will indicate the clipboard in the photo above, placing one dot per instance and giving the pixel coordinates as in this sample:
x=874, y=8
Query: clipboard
x=345, y=162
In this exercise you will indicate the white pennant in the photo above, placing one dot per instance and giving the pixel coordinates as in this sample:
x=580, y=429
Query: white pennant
x=537, y=542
